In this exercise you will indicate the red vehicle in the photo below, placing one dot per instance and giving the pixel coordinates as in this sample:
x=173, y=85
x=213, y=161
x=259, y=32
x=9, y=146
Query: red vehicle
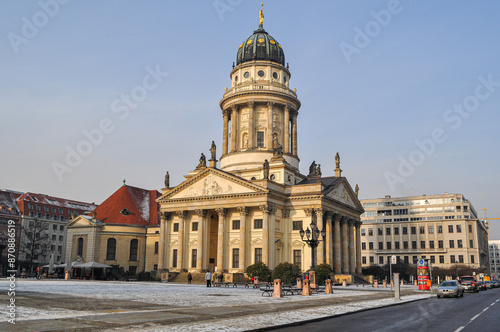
x=470, y=284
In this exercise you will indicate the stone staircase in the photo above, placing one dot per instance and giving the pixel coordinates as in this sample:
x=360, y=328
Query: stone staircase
x=181, y=278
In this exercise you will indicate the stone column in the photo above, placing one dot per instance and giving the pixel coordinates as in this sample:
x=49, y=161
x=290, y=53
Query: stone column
x=287, y=130
x=225, y=113
x=266, y=211
x=345, y=245
x=243, y=236
x=202, y=219
x=337, y=244
x=352, y=247
x=321, y=244
x=307, y=222
x=250, y=125
x=220, y=239
x=162, y=252
x=270, y=128
x=294, y=134
x=287, y=255
x=329, y=238
x=234, y=121
x=182, y=215
x=358, y=247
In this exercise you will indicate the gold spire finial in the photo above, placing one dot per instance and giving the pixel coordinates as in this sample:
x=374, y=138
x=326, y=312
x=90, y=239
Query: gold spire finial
x=261, y=15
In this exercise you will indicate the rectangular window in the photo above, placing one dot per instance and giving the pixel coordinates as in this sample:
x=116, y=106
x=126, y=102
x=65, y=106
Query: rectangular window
x=405, y=244
x=236, y=258
x=363, y=232
x=396, y=245
x=431, y=244
x=452, y=244
x=441, y=259
x=406, y=260
x=440, y=229
x=396, y=230
x=452, y=259
x=381, y=259
x=459, y=228
x=414, y=259
x=413, y=230
x=54, y=237
x=422, y=244
x=194, y=254
x=414, y=244
x=372, y=260
x=46, y=209
x=257, y=224
x=380, y=231
x=297, y=257
x=459, y=244
x=450, y=228
x=440, y=244
x=433, y=259
x=61, y=238
x=387, y=231
x=236, y=224
x=174, y=258
x=405, y=230
x=471, y=243
x=370, y=231
x=460, y=258
x=431, y=229
x=422, y=229
x=258, y=255
x=472, y=259
x=389, y=245
x=156, y=247
x=260, y=139
x=176, y=226
x=363, y=245
x=297, y=225
x=380, y=245
x=194, y=226
x=363, y=260
x=470, y=228
x=370, y=245
x=54, y=227
x=30, y=206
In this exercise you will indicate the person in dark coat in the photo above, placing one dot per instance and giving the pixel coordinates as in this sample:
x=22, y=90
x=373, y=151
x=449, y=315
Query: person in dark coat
x=190, y=277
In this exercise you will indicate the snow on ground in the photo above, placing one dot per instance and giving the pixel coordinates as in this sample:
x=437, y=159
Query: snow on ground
x=182, y=296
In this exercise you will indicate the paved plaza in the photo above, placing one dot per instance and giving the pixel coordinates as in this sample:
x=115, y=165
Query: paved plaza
x=75, y=305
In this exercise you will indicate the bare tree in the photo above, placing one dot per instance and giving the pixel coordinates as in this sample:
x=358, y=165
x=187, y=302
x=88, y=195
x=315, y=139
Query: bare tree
x=34, y=240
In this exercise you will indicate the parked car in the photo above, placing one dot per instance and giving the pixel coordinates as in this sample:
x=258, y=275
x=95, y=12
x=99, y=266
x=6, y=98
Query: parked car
x=481, y=285
x=469, y=283
x=495, y=283
x=450, y=288
x=488, y=284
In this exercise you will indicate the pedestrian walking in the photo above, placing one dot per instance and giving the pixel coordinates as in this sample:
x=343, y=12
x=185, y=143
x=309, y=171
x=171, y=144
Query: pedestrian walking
x=208, y=278
x=190, y=277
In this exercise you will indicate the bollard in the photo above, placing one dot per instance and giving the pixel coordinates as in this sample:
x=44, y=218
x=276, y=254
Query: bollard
x=328, y=286
x=392, y=283
x=375, y=284
x=402, y=282
x=256, y=282
x=306, y=290
x=312, y=278
x=277, y=292
x=416, y=283
x=299, y=282
x=66, y=275
x=344, y=283
x=384, y=283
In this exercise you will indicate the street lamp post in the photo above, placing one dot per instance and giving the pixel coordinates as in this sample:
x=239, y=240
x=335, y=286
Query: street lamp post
x=3, y=245
x=312, y=240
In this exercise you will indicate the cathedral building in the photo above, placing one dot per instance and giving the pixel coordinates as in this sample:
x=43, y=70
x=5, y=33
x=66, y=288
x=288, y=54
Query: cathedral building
x=251, y=205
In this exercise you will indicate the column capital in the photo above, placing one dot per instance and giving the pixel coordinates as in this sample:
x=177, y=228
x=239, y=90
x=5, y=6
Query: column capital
x=182, y=214
x=243, y=210
x=225, y=112
x=270, y=104
x=344, y=220
x=328, y=214
x=222, y=212
x=309, y=212
x=319, y=211
x=250, y=103
x=165, y=216
x=286, y=108
x=270, y=208
x=285, y=213
x=358, y=223
x=201, y=213
x=234, y=108
x=352, y=222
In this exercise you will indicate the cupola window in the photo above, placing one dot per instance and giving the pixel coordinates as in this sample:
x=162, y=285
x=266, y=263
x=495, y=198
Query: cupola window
x=261, y=73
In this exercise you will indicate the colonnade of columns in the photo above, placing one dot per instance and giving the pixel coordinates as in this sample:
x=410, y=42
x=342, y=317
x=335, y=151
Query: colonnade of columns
x=231, y=116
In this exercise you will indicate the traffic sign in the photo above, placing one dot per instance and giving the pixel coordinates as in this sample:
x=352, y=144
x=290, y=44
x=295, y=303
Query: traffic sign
x=393, y=259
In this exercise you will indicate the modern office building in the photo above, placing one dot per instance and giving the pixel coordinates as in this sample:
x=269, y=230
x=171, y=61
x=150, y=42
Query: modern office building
x=494, y=248
x=443, y=228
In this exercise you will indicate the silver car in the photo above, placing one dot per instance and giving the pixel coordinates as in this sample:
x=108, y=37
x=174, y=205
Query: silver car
x=450, y=288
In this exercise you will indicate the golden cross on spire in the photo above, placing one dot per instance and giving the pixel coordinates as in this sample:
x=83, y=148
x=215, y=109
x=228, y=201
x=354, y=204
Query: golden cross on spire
x=261, y=15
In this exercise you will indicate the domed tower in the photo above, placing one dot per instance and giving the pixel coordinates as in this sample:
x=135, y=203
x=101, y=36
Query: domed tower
x=260, y=111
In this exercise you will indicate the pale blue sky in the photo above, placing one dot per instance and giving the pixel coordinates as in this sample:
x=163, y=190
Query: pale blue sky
x=68, y=72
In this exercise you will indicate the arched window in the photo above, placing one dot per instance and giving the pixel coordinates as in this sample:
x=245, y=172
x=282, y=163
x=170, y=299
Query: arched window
x=134, y=245
x=111, y=250
x=80, y=247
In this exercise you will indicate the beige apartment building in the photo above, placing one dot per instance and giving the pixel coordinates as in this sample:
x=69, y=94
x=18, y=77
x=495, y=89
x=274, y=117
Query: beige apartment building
x=443, y=228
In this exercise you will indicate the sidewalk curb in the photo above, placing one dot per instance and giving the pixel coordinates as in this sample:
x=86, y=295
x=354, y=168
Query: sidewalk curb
x=302, y=322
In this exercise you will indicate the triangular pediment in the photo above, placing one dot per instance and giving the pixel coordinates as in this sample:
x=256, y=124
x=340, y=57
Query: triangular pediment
x=212, y=182
x=84, y=221
x=342, y=192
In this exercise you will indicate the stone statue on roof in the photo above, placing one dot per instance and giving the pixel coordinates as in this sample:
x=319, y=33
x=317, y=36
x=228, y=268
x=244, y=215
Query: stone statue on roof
x=266, y=169
x=312, y=169
x=203, y=161
x=261, y=15
x=356, y=190
x=337, y=160
x=167, y=180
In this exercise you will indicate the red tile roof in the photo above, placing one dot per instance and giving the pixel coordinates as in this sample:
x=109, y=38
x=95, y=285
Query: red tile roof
x=140, y=204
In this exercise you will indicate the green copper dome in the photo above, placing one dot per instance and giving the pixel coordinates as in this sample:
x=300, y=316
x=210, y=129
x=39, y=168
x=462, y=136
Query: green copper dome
x=260, y=46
